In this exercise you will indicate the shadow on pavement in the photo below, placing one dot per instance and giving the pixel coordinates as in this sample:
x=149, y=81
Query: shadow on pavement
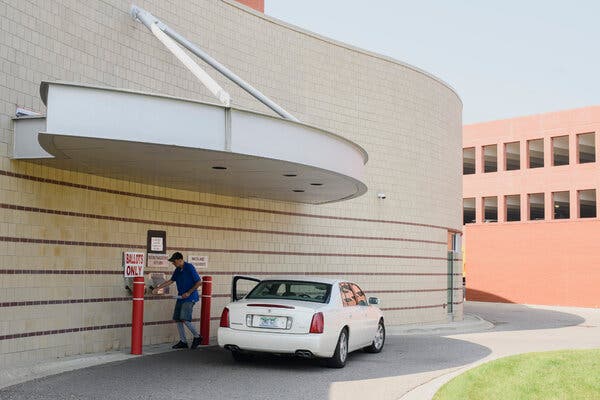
x=514, y=317
x=480, y=295
x=211, y=373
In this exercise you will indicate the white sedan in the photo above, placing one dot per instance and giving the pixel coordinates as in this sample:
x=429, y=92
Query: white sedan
x=305, y=316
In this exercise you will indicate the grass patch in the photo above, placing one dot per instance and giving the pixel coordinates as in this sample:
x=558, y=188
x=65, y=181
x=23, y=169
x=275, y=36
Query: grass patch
x=558, y=375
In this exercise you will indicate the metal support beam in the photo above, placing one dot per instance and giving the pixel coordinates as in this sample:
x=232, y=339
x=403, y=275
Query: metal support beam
x=154, y=24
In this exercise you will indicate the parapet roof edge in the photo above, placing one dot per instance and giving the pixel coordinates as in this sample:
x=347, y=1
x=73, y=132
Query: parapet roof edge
x=532, y=115
x=306, y=32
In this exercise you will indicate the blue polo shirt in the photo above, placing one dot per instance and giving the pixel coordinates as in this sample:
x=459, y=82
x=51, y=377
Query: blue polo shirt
x=185, y=279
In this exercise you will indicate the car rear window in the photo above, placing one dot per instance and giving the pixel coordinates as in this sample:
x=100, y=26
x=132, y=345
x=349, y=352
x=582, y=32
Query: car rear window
x=315, y=292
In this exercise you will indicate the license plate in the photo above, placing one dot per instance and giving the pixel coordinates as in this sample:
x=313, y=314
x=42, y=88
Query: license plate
x=269, y=322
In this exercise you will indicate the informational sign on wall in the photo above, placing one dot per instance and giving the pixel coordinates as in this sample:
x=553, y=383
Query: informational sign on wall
x=157, y=260
x=133, y=264
x=156, y=242
x=199, y=261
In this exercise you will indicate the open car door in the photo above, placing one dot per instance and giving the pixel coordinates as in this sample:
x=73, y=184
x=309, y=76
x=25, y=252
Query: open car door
x=241, y=286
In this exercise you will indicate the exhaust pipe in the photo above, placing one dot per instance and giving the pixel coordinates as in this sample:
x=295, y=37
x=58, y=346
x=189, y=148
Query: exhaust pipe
x=304, y=354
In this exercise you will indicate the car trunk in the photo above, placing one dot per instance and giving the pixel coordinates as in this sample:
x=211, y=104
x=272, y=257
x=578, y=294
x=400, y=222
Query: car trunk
x=276, y=316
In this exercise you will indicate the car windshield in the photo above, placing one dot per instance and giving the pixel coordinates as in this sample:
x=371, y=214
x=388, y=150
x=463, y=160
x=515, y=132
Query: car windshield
x=315, y=292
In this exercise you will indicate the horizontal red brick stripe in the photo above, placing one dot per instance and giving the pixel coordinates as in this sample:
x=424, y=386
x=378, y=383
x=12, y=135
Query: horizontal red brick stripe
x=229, y=273
x=151, y=323
x=215, y=205
x=165, y=297
x=208, y=227
x=411, y=290
x=231, y=251
x=83, y=329
x=77, y=301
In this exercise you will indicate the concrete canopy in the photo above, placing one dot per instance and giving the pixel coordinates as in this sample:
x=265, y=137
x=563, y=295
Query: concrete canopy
x=186, y=144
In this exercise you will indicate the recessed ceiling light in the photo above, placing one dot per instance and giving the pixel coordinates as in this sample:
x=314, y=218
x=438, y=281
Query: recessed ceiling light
x=298, y=190
x=316, y=184
x=290, y=175
x=218, y=167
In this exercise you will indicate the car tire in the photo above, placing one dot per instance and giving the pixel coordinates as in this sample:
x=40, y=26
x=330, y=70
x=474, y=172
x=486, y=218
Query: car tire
x=341, y=351
x=240, y=356
x=377, y=344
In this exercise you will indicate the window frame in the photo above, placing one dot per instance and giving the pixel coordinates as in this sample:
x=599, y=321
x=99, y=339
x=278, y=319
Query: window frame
x=529, y=195
x=518, y=155
x=474, y=160
x=552, y=141
x=343, y=297
x=474, y=210
x=518, y=196
x=579, y=135
x=489, y=220
x=579, y=203
x=529, y=142
x=483, y=158
x=358, y=292
x=554, y=207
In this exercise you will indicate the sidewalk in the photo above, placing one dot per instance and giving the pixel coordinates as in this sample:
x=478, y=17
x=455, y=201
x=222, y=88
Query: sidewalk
x=470, y=323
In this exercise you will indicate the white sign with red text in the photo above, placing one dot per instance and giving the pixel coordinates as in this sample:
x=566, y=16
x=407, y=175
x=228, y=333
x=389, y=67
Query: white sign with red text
x=134, y=264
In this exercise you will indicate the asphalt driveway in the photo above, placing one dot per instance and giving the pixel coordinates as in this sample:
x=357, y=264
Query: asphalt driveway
x=406, y=362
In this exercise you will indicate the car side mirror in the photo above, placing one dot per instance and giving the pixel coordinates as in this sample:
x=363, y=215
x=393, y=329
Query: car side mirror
x=373, y=300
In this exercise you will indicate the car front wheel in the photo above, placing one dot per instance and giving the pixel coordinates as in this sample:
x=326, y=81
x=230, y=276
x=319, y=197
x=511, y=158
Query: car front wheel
x=379, y=340
x=341, y=351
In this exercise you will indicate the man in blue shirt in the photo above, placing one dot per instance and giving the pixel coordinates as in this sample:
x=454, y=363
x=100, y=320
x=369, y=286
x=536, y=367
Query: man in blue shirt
x=188, y=281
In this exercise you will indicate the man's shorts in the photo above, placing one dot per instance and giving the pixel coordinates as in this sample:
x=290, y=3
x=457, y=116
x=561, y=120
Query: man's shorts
x=183, y=310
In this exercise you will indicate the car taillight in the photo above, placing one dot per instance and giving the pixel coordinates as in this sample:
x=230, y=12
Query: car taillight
x=225, y=318
x=316, y=325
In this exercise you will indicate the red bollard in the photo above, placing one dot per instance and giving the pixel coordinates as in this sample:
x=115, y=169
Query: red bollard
x=137, y=317
x=205, y=311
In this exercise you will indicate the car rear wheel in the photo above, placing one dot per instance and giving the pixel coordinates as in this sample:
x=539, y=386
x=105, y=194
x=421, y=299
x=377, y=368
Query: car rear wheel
x=341, y=351
x=379, y=339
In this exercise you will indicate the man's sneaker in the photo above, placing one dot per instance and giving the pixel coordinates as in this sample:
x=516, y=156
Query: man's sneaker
x=180, y=345
x=196, y=342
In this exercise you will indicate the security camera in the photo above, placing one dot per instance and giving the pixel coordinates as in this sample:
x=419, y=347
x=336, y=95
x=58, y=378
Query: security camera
x=381, y=195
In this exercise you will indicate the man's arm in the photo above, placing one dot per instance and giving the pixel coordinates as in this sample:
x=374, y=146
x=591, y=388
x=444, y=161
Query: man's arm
x=189, y=292
x=161, y=285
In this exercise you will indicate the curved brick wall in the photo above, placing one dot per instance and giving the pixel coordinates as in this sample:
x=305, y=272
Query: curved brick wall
x=62, y=233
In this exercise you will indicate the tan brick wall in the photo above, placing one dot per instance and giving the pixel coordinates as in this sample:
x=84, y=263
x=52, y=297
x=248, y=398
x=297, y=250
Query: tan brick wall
x=408, y=121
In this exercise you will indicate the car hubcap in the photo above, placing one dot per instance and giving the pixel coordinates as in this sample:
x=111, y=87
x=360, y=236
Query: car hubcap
x=379, y=337
x=343, y=347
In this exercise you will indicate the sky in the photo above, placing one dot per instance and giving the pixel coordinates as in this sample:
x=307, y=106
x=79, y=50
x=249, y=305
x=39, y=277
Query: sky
x=504, y=58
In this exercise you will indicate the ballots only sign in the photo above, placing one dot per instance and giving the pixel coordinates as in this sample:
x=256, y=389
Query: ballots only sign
x=134, y=264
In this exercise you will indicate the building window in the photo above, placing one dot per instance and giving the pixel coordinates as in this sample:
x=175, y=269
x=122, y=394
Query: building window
x=512, y=156
x=469, y=211
x=560, y=150
x=587, y=203
x=513, y=207
x=469, y=161
x=490, y=209
x=535, y=149
x=560, y=200
x=490, y=158
x=536, y=206
x=586, y=148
